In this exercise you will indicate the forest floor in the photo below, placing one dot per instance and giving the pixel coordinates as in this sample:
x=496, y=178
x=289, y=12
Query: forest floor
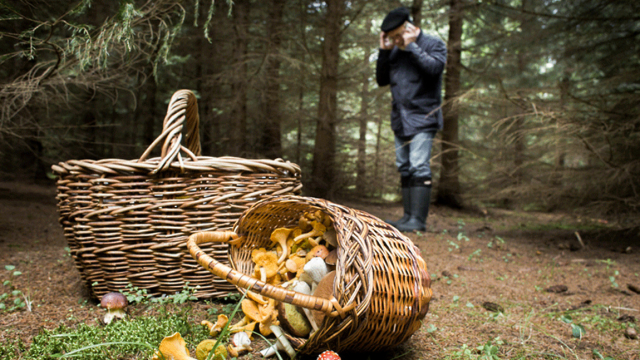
x=518, y=261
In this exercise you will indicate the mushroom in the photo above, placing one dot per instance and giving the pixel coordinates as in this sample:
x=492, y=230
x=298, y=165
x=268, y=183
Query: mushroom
x=320, y=251
x=292, y=319
x=279, y=236
x=267, y=260
x=316, y=268
x=324, y=290
x=205, y=347
x=240, y=342
x=328, y=355
x=247, y=327
x=281, y=344
x=115, y=303
x=172, y=347
x=330, y=237
x=215, y=329
x=332, y=258
x=318, y=230
x=303, y=288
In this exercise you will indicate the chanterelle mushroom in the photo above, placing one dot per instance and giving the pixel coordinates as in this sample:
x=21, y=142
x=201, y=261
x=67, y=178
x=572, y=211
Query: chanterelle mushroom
x=172, y=347
x=115, y=303
x=267, y=260
x=318, y=230
x=206, y=346
x=214, y=329
x=279, y=236
x=240, y=343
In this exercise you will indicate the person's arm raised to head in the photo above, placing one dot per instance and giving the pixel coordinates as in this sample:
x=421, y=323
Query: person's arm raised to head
x=383, y=68
x=431, y=56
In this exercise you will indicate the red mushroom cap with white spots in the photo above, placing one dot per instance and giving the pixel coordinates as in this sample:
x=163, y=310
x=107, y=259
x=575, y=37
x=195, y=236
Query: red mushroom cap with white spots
x=328, y=355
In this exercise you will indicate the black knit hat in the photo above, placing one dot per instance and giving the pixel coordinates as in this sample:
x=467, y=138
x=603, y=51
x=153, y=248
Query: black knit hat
x=395, y=18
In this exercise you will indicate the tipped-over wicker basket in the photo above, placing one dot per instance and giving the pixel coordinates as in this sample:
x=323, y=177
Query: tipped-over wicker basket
x=381, y=290
x=127, y=221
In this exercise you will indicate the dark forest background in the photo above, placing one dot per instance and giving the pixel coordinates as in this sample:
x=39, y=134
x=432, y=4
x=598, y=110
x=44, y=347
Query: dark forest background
x=541, y=96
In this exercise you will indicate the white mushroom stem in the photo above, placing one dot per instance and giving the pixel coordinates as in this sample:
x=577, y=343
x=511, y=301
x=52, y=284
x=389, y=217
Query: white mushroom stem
x=316, y=268
x=240, y=342
x=114, y=313
x=271, y=350
x=282, y=340
x=303, y=288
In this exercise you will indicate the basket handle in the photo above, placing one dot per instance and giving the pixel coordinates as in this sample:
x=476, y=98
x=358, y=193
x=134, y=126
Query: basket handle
x=330, y=307
x=183, y=105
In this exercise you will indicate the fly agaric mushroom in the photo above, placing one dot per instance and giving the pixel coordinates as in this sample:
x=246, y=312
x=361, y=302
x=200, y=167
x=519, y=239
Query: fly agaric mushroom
x=115, y=303
x=279, y=236
x=328, y=355
x=318, y=230
x=206, y=346
x=240, y=342
x=281, y=344
x=214, y=329
x=172, y=347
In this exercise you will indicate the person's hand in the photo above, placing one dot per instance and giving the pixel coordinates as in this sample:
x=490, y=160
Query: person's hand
x=410, y=34
x=384, y=44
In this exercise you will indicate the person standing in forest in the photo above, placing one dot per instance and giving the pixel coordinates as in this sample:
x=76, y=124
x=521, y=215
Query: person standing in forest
x=412, y=62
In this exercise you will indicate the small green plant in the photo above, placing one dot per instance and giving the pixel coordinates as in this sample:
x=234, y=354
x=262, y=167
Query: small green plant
x=612, y=278
x=577, y=330
x=476, y=254
x=12, y=299
x=487, y=351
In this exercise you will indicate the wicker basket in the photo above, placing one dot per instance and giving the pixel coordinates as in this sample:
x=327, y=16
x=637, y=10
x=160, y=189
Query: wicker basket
x=127, y=221
x=381, y=290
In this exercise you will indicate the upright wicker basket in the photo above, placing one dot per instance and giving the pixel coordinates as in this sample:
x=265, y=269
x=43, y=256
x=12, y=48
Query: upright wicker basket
x=381, y=292
x=127, y=221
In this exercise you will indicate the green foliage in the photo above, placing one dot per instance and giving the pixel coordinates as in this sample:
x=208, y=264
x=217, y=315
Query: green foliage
x=136, y=337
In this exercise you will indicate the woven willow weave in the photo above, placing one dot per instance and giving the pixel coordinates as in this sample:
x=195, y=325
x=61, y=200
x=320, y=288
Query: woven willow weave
x=381, y=290
x=127, y=221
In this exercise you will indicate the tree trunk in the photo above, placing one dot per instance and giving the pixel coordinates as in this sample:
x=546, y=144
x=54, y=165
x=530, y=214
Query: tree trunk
x=271, y=136
x=449, y=184
x=361, y=161
x=416, y=12
x=324, y=152
x=238, y=126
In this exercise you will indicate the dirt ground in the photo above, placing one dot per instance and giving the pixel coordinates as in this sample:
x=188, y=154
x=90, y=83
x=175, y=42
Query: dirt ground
x=506, y=258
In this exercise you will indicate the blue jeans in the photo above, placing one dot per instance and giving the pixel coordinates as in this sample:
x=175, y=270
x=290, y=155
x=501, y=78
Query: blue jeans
x=413, y=154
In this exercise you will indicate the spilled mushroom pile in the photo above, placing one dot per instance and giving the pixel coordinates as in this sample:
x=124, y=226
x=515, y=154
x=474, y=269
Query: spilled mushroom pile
x=301, y=259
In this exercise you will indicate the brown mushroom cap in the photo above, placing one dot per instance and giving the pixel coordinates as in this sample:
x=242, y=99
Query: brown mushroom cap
x=332, y=258
x=293, y=320
x=113, y=300
x=320, y=251
x=324, y=290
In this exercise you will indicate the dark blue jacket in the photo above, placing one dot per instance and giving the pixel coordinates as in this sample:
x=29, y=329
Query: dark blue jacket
x=415, y=76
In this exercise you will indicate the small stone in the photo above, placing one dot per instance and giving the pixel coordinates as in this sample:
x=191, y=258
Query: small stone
x=445, y=273
x=631, y=333
x=468, y=268
x=627, y=318
x=634, y=288
x=557, y=289
x=493, y=307
x=628, y=250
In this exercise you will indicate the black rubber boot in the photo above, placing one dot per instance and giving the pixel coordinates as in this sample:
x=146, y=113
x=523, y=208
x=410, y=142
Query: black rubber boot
x=420, y=191
x=406, y=202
